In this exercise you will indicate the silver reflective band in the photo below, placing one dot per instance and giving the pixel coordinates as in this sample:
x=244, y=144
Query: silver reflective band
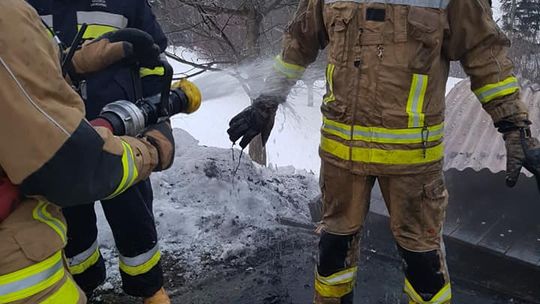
x=32, y=280
x=418, y=100
x=380, y=135
x=420, y=3
x=83, y=256
x=102, y=18
x=141, y=258
x=48, y=19
x=487, y=94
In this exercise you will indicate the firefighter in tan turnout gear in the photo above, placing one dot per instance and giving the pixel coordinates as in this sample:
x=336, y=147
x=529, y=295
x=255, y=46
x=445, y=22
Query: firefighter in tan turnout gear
x=383, y=120
x=51, y=157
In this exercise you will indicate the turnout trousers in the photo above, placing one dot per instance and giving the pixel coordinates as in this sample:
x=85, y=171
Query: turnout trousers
x=131, y=219
x=417, y=206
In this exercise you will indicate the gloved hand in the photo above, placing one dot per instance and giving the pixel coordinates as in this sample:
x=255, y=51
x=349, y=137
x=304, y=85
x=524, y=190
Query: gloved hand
x=522, y=150
x=254, y=120
x=160, y=136
x=128, y=44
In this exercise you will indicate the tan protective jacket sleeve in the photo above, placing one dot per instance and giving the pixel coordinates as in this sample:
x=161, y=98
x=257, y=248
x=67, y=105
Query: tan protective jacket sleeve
x=477, y=42
x=48, y=148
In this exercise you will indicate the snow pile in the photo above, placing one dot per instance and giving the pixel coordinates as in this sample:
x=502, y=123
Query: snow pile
x=206, y=214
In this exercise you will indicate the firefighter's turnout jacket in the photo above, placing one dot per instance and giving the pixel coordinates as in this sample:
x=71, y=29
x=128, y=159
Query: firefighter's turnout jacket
x=140, y=267
x=388, y=63
x=65, y=17
x=54, y=155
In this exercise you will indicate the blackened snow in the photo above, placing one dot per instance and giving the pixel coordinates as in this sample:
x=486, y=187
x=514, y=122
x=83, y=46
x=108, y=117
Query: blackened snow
x=205, y=215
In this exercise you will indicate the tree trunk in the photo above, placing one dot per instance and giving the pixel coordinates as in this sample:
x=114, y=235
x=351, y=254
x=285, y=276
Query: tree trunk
x=257, y=152
x=309, y=85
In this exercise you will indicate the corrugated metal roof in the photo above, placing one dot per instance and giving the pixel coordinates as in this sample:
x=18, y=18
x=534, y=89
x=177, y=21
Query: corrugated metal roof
x=471, y=139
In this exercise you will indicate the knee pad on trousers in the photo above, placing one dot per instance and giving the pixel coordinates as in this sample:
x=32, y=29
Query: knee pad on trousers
x=336, y=270
x=337, y=252
x=424, y=272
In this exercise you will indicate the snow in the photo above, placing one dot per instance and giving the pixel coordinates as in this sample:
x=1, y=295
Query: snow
x=497, y=11
x=207, y=214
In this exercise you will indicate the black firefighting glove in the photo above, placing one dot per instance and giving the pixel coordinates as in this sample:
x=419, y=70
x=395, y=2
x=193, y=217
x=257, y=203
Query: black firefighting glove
x=138, y=45
x=254, y=120
x=129, y=45
x=522, y=150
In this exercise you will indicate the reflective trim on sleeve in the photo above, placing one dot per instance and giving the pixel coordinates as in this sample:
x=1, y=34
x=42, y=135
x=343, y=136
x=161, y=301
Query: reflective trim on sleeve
x=41, y=214
x=415, y=103
x=496, y=90
x=130, y=172
x=383, y=135
x=31, y=280
x=291, y=71
x=421, y=3
x=142, y=263
x=329, y=97
x=102, y=18
x=94, y=31
x=67, y=294
x=337, y=284
x=442, y=297
x=100, y=23
x=84, y=260
x=380, y=156
x=157, y=71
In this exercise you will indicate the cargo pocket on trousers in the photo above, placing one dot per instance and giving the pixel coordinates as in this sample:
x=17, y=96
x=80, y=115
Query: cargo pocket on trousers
x=434, y=203
x=425, y=30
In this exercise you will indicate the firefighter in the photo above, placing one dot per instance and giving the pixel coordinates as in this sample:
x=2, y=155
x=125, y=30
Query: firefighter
x=129, y=215
x=383, y=120
x=52, y=157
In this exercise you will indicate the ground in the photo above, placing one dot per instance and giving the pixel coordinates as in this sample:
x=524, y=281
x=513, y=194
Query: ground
x=284, y=274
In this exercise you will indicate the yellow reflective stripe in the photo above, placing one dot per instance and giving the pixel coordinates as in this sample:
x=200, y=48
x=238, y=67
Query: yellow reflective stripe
x=31, y=280
x=496, y=90
x=96, y=30
x=291, y=71
x=337, y=284
x=158, y=71
x=383, y=135
x=141, y=264
x=415, y=103
x=41, y=214
x=130, y=172
x=380, y=156
x=330, y=68
x=442, y=297
x=67, y=294
x=84, y=260
x=344, y=276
